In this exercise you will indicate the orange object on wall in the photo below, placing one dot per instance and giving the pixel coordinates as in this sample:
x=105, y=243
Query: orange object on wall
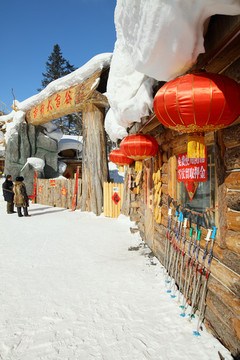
x=120, y=159
x=196, y=103
x=139, y=147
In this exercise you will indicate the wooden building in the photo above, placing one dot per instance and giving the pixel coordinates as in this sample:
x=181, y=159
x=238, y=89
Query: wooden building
x=215, y=202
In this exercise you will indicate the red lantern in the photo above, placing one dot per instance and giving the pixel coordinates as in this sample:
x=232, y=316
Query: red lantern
x=118, y=158
x=139, y=147
x=198, y=103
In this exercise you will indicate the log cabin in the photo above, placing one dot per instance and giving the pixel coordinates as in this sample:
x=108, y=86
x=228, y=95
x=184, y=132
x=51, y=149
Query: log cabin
x=215, y=202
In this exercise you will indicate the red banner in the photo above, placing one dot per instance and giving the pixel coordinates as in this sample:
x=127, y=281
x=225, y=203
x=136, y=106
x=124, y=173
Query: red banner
x=191, y=169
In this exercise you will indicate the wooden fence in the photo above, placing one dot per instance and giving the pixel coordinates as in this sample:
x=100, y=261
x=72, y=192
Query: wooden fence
x=58, y=192
x=113, y=199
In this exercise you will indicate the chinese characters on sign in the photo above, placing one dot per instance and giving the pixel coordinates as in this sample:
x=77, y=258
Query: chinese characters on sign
x=191, y=169
x=59, y=102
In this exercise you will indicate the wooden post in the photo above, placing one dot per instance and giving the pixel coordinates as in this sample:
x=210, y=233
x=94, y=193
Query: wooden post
x=221, y=191
x=94, y=158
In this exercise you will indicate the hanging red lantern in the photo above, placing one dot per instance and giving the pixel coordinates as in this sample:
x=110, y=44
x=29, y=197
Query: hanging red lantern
x=120, y=159
x=139, y=147
x=197, y=103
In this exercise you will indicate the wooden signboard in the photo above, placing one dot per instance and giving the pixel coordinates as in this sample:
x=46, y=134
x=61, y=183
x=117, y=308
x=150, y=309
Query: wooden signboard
x=67, y=101
x=57, y=105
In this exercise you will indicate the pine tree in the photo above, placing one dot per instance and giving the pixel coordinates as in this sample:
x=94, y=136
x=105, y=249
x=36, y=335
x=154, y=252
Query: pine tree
x=56, y=67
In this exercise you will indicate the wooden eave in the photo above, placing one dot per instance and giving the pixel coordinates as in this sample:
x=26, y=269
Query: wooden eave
x=222, y=56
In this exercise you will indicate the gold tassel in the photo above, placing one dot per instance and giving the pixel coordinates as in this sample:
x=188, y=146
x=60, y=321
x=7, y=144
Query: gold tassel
x=196, y=146
x=138, y=166
x=121, y=168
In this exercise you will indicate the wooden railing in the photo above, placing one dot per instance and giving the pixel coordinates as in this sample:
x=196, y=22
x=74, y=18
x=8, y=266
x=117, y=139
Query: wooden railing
x=58, y=192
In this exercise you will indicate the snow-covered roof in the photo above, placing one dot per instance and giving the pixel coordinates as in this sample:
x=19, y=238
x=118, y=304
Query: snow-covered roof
x=70, y=142
x=156, y=40
x=78, y=76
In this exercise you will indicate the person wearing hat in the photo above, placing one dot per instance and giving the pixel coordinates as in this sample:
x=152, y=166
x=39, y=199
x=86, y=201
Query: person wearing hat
x=20, y=196
x=8, y=194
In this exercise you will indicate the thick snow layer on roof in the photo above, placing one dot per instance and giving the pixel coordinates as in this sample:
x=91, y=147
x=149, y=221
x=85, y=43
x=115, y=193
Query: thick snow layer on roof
x=157, y=39
x=76, y=77
x=70, y=142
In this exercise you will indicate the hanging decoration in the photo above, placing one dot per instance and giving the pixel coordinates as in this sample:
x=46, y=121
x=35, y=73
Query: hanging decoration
x=52, y=182
x=191, y=187
x=191, y=172
x=191, y=169
x=197, y=103
x=119, y=158
x=139, y=147
x=64, y=191
x=116, y=198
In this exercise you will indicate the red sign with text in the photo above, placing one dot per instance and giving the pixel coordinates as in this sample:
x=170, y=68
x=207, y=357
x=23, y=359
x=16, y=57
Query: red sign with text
x=191, y=169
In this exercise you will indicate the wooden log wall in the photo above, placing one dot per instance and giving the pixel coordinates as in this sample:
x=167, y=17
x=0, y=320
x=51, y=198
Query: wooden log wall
x=94, y=160
x=56, y=195
x=222, y=312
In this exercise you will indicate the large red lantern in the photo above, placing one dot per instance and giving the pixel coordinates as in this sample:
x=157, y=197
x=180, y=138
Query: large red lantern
x=118, y=158
x=139, y=147
x=198, y=103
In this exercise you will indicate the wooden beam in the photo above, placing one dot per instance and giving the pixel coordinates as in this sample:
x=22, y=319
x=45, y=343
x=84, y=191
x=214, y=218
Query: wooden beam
x=222, y=44
x=67, y=101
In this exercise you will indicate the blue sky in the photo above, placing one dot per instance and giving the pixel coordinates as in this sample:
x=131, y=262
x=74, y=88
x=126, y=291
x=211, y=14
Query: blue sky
x=29, y=29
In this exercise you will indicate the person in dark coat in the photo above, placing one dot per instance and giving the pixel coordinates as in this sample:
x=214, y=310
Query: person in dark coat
x=8, y=194
x=20, y=196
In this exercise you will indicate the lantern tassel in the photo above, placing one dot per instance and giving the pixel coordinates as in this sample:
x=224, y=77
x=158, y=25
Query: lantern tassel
x=196, y=146
x=138, y=166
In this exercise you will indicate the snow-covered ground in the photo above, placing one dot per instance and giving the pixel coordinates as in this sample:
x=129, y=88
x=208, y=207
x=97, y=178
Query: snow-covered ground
x=80, y=287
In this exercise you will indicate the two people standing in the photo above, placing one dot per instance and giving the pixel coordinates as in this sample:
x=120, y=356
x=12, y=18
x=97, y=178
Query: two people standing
x=16, y=194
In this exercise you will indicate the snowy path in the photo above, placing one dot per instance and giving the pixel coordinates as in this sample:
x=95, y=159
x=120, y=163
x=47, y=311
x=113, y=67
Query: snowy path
x=70, y=288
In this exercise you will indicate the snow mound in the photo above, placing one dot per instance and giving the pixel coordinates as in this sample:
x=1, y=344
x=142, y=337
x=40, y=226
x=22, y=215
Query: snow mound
x=37, y=163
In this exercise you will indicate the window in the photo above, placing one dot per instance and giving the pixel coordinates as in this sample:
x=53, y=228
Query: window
x=204, y=197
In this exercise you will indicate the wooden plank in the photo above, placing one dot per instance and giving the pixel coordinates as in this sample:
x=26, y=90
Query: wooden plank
x=104, y=199
x=233, y=220
x=221, y=196
x=233, y=241
x=222, y=44
x=67, y=101
x=231, y=136
x=233, y=200
x=232, y=158
x=232, y=180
